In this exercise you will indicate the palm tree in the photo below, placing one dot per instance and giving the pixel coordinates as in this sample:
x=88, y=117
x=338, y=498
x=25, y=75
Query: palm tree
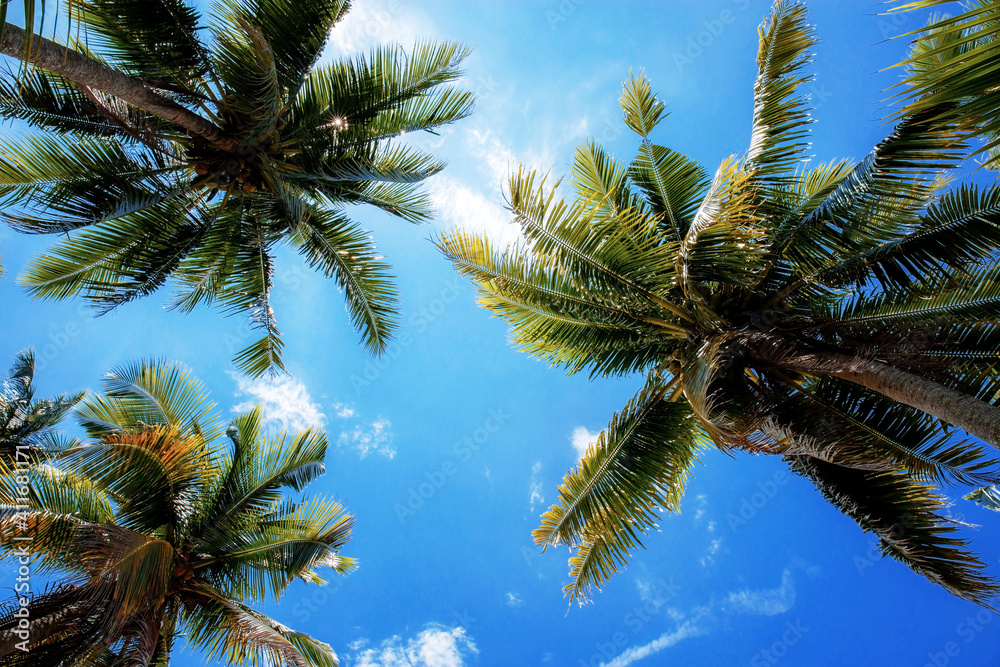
x=159, y=527
x=27, y=426
x=953, y=60
x=841, y=316
x=171, y=148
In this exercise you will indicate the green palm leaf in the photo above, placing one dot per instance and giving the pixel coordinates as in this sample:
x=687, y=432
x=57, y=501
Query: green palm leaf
x=127, y=29
x=952, y=60
x=28, y=425
x=779, y=136
x=148, y=393
x=341, y=251
x=907, y=518
x=638, y=465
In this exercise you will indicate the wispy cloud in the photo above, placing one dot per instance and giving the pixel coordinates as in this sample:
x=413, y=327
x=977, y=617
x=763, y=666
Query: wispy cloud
x=666, y=640
x=514, y=600
x=435, y=646
x=497, y=160
x=459, y=206
x=374, y=438
x=713, y=548
x=699, y=511
x=766, y=602
x=581, y=439
x=284, y=401
x=759, y=602
x=462, y=204
x=535, y=496
x=343, y=410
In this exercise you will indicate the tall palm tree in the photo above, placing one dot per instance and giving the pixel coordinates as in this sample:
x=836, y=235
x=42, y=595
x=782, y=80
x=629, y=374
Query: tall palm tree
x=841, y=316
x=172, y=148
x=953, y=59
x=27, y=425
x=165, y=524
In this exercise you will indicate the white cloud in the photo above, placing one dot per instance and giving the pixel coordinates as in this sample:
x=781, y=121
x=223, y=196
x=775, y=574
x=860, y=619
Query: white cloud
x=481, y=210
x=497, y=160
x=514, y=600
x=436, y=646
x=374, y=439
x=713, y=548
x=766, y=602
x=762, y=602
x=702, y=504
x=459, y=206
x=666, y=640
x=376, y=22
x=284, y=402
x=343, y=410
x=535, y=496
x=581, y=439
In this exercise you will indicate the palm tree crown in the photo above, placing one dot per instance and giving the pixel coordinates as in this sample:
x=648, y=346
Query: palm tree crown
x=27, y=425
x=165, y=524
x=840, y=316
x=171, y=148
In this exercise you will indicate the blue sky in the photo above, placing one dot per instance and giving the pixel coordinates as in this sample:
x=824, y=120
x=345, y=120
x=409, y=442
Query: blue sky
x=450, y=447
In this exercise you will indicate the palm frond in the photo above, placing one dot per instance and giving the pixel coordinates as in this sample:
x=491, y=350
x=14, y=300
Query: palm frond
x=908, y=519
x=643, y=111
x=152, y=475
x=148, y=393
x=238, y=635
x=295, y=32
x=910, y=158
x=975, y=298
x=553, y=317
x=597, y=559
x=62, y=183
x=156, y=41
x=780, y=117
x=952, y=60
x=366, y=98
x=726, y=241
x=342, y=251
x=929, y=251
x=59, y=492
x=622, y=259
x=638, y=465
x=290, y=542
x=674, y=186
x=50, y=102
x=857, y=428
x=245, y=62
x=27, y=425
x=601, y=182
x=253, y=475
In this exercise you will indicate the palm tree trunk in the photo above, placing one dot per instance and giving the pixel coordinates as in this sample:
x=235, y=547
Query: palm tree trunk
x=974, y=416
x=82, y=70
